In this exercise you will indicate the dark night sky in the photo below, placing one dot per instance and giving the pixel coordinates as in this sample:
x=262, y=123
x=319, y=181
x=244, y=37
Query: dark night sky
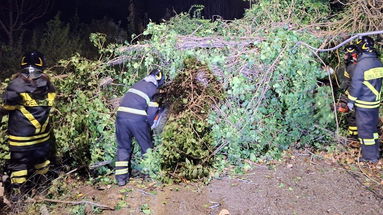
x=132, y=15
x=155, y=9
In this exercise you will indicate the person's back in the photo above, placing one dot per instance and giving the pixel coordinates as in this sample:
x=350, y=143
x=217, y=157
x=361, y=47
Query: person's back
x=28, y=100
x=364, y=94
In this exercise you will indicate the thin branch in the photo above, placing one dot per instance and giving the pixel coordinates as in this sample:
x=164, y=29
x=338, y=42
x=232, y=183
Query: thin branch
x=105, y=207
x=341, y=44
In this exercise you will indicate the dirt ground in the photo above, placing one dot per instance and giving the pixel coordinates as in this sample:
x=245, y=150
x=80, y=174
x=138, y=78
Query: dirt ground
x=298, y=185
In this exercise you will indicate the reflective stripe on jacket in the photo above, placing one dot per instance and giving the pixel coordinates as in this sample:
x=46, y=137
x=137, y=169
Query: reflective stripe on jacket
x=366, y=82
x=138, y=99
x=28, y=104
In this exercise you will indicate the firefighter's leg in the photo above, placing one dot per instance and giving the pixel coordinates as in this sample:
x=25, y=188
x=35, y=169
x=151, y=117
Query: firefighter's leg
x=367, y=121
x=124, y=150
x=41, y=164
x=19, y=172
x=352, y=127
x=142, y=133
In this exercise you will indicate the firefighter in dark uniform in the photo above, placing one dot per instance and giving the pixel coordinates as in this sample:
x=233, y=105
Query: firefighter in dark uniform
x=364, y=95
x=132, y=121
x=28, y=100
x=350, y=59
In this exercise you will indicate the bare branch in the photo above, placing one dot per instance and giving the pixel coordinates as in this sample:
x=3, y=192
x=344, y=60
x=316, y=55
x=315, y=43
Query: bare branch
x=105, y=207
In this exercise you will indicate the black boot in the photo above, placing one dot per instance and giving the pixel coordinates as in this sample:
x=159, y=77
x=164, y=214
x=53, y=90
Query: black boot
x=369, y=153
x=15, y=194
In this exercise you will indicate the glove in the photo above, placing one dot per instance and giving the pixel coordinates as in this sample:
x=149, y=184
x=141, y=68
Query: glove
x=350, y=106
x=342, y=107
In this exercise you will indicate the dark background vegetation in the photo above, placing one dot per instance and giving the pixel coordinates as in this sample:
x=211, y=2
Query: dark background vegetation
x=26, y=24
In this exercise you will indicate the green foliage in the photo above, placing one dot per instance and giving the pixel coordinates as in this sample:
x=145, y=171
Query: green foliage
x=266, y=12
x=269, y=95
x=85, y=125
x=57, y=41
x=274, y=106
x=185, y=144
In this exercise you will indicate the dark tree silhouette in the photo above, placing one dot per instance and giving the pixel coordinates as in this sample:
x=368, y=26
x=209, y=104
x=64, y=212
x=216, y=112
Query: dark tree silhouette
x=15, y=15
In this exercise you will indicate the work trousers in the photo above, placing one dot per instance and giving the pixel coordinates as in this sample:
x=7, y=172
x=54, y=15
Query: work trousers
x=367, y=120
x=351, y=121
x=126, y=129
x=23, y=161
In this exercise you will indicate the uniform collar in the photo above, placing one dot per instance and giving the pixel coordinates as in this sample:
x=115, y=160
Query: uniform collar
x=367, y=55
x=151, y=79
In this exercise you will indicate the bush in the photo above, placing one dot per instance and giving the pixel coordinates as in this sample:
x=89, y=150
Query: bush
x=235, y=93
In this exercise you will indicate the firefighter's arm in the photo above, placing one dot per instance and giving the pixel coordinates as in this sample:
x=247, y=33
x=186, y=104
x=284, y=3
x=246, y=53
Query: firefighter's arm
x=11, y=95
x=355, y=89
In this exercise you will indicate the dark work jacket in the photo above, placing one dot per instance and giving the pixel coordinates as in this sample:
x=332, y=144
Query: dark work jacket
x=28, y=104
x=348, y=75
x=366, y=82
x=136, y=105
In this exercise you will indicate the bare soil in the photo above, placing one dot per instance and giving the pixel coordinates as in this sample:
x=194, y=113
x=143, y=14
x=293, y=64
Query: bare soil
x=298, y=185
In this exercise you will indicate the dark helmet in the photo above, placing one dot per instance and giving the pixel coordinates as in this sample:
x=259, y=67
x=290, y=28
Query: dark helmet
x=33, y=59
x=366, y=44
x=160, y=77
x=351, y=49
x=351, y=54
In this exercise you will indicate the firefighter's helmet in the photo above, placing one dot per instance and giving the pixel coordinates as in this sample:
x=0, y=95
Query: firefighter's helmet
x=33, y=59
x=160, y=77
x=32, y=64
x=351, y=54
x=366, y=44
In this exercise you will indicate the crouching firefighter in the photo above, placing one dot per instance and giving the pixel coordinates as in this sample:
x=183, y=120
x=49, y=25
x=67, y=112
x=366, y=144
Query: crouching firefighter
x=351, y=53
x=364, y=94
x=28, y=100
x=132, y=121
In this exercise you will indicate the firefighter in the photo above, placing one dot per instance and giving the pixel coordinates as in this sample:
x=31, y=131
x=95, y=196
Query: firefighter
x=132, y=121
x=28, y=100
x=364, y=95
x=350, y=59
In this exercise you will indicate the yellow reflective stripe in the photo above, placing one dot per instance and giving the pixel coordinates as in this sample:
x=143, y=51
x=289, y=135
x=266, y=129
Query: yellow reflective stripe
x=140, y=93
x=122, y=163
x=367, y=106
x=373, y=73
x=153, y=104
x=352, y=98
x=368, y=142
x=42, y=171
x=367, y=103
x=51, y=98
x=10, y=107
x=121, y=171
x=42, y=165
x=28, y=143
x=28, y=138
x=372, y=88
x=346, y=74
x=18, y=180
x=352, y=132
x=31, y=118
x=45, y=125
x=132, y=110
x=353, y=128
x=28, y=100
x=376, y=136
x=19, y=173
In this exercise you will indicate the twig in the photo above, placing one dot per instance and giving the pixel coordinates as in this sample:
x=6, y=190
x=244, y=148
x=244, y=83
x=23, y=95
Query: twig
x=380, y=197
x=77, y=203
x=341, y=44
x=332, y=93
x=144, y=192
x=365, y=174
